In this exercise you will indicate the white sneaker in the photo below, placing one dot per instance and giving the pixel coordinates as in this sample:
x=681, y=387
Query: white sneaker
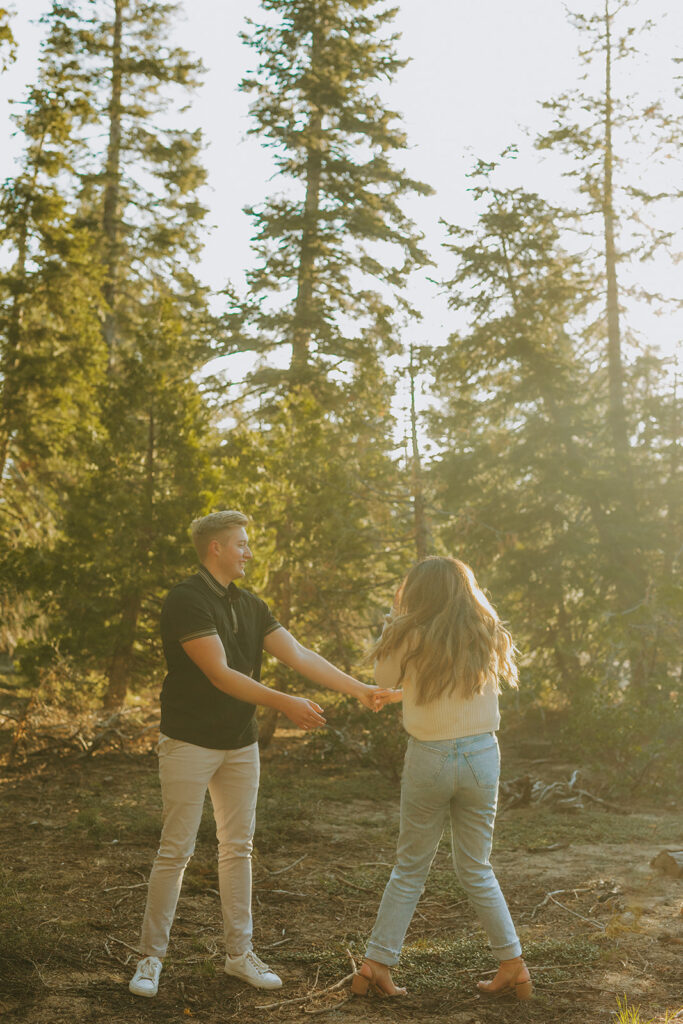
x=249, y=968
x=145, y=981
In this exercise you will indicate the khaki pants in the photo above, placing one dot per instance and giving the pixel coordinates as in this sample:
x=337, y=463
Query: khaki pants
x=232, y=777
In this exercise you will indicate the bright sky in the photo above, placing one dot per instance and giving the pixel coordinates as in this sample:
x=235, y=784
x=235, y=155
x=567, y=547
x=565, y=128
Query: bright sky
x=478, y=71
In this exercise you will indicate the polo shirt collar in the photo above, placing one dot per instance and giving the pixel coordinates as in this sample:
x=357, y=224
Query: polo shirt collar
x=231, y=591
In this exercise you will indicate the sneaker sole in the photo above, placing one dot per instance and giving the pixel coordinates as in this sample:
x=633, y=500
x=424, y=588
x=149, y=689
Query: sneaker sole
x=145, y=995
x=250, y=981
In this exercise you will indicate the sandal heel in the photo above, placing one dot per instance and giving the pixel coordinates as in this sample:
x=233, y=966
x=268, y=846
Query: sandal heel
x=524, y=989
x=360, y=985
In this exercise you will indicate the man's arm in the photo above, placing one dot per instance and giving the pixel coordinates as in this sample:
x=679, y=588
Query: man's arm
x=208, y=654
x=282, y=645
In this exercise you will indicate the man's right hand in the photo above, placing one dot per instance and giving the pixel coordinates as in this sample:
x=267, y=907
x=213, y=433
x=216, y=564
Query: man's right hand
x=305, y=713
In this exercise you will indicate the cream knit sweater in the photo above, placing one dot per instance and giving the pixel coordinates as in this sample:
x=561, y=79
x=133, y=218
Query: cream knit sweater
x=446, y=718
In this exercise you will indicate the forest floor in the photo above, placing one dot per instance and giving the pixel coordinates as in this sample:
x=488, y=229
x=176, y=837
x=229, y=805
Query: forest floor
x=77, y=838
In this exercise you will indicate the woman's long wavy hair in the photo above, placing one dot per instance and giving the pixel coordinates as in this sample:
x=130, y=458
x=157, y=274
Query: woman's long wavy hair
x=449, y=629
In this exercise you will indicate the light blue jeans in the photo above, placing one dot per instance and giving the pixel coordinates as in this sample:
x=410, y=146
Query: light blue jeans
x=440, y=778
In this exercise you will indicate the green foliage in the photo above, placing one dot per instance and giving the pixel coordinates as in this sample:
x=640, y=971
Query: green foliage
x=328, y=545
x=333, y=247
x=8, y=48
x=526, y=477
x=143, y=469
x=332, y=250
x=353, y=737
x=639, y=746
x=632, y=1014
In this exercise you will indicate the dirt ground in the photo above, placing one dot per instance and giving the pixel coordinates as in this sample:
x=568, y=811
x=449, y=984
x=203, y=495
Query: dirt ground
x=78, y=833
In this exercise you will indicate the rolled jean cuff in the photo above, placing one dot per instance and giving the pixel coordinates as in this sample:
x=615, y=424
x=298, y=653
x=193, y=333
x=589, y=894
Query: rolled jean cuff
x=509, y=952
x=383, y=956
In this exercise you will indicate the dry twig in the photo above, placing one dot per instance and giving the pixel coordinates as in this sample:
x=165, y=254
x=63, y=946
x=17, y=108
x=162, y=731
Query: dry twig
x=309, y=996
x=558, y=892
x=281, y=871
x=114, y=939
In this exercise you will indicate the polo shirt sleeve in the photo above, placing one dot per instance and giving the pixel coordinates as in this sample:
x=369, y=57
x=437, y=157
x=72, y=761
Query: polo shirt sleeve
x=187, y=615
x=270, y=623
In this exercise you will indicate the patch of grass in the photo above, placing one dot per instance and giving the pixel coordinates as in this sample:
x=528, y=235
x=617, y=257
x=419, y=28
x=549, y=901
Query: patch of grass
x=30, y=935
x=353, y=880
x=631, y=1015
x=531, y=826
x=90, y=822
x=429, y=965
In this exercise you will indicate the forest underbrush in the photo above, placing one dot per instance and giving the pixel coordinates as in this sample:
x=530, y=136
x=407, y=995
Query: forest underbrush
x=601, y=928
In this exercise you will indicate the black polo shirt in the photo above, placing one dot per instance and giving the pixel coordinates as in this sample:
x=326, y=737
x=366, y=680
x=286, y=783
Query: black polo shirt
x=192, y=708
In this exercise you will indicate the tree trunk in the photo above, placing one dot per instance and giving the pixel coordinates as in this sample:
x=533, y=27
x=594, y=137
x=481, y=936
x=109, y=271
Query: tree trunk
x=13, y=353
x=303, y=309
x=423, y=542
x=617, y=413
x=122, y=656
x=112, y=176
x=282, y=596
x=632, y=577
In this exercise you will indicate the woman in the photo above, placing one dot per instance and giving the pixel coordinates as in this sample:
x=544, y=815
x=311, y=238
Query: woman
x=445, y=645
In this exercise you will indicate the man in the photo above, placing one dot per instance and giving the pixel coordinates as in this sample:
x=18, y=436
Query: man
x=214, y=634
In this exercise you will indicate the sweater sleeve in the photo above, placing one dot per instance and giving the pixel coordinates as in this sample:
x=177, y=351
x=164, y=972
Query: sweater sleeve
x=388, y=670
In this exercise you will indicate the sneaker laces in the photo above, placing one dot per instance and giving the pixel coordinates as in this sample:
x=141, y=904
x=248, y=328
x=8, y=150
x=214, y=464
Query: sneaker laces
x=257, y=962
x=147, y=969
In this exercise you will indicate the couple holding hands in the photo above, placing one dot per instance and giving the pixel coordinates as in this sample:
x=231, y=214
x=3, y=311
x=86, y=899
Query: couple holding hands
x=443, y=651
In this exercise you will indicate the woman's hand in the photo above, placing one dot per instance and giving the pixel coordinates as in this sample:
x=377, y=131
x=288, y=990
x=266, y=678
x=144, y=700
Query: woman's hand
x=367, y=695
x=383, y=696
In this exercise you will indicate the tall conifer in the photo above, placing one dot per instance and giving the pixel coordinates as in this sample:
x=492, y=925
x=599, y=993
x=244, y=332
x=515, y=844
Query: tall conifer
x=610, y=136
x=334, y=249
x=133, y=184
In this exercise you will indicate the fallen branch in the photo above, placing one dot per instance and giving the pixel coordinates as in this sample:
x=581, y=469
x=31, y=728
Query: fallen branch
x=603, y=803
x=122, y=943
x=309, y=997
x=138, y=885
x=555, y=892
x=354, y=885
x=329, y=1009
x=286, y=892
x=281, y=871
x=551, y=896
x=548, y=849
x=272, y=945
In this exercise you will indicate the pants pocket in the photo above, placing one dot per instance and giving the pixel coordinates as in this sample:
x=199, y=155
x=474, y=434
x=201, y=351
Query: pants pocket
x=166, y=744
x=484, y=765
x=423, y=764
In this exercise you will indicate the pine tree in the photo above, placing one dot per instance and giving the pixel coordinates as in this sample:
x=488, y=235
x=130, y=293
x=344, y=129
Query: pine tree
x=605, y=133
x=333, y=252
x=133, y=184
x=334, y=247
x=51, y=353
x=609, y=136
x=518, y=474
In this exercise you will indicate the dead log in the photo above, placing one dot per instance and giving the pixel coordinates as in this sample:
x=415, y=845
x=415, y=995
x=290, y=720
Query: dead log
x=670, y=862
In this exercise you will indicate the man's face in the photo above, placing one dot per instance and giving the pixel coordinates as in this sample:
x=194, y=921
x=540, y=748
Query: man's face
x=233, y=553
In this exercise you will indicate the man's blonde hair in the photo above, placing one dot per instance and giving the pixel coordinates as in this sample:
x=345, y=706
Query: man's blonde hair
x=204, y=530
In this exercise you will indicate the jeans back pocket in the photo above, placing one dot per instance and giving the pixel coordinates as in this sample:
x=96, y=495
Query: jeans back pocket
x=423, y=764
x=484, y=765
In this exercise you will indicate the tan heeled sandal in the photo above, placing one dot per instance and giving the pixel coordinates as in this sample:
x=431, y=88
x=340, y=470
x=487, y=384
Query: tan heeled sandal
x=362, y=984
x=517, y=982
